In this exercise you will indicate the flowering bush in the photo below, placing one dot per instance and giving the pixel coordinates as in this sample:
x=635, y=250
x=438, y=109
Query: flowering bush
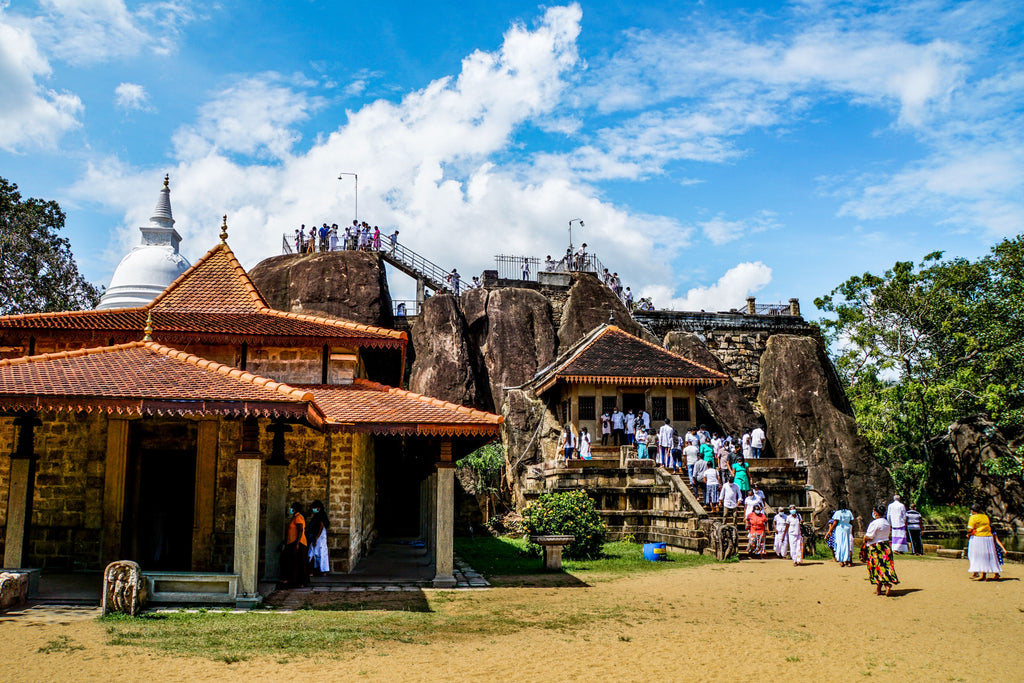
x=567, y=512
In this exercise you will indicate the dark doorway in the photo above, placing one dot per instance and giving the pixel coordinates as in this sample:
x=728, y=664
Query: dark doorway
x=401, y=465
x=634, y=402
x=159, y=497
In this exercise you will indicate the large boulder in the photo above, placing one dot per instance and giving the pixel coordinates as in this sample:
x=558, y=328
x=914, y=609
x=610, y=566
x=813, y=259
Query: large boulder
x=350, y=285
x=809, y=418
x=590, y=304
x=725, y=403
x=530, y=435
x=514, y=331
x=959, y=475
x=448, y=365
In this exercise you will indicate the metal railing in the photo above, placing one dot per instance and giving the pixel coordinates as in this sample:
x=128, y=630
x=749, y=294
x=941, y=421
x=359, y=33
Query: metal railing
x=402, y=308
x=570, y=263
x=766, y=309
x=511, y=267
x=286, y=246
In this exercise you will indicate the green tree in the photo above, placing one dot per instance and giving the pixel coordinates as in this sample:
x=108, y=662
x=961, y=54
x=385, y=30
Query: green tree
x=37, y=270
x=926, y=344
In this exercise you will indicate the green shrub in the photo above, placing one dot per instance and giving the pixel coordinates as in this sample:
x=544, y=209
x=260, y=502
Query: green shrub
x=567, y=512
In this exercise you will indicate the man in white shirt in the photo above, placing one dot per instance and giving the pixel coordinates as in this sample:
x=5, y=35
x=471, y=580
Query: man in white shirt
x=756, y=442
x=692, y=454
x=630, y=427
x=896, y=515
x=691, y=437
x=646, y=418
x=618, y=427
x=665, y=435
x=730, y=499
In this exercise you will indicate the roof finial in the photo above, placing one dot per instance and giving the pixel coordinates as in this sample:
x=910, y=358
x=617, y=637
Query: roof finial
x=224, y=230
x=167, y=180
x=611, y=316
x=148, y=329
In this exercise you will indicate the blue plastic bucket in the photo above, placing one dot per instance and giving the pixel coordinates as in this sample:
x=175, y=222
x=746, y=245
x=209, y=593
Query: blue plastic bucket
x=655, y=552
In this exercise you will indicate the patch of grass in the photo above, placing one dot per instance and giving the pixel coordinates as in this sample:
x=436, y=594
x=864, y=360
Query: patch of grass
x=508, y=556
x=60, y=644
x=792, y=658
x=952, y=517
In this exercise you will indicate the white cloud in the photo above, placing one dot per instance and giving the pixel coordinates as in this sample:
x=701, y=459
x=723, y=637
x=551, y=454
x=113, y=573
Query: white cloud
x=721, y=231
x=31, y=115
x=730, y=291
x=256, y=116
x=88, y=31
x=132, y=96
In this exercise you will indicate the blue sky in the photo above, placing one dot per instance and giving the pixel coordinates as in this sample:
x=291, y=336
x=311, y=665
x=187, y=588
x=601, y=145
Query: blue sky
x=714, y=150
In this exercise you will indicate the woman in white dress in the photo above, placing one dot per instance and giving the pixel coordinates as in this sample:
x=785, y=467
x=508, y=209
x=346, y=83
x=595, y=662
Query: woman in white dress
x=319, y=562
x=795, y=536
x=780, y=533
x=981, y=548
x=585, y=443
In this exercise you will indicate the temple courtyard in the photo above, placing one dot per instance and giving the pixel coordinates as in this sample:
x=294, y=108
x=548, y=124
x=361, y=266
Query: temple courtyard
x=684, y=620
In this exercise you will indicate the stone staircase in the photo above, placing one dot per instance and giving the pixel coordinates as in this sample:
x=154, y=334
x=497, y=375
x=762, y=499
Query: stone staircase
x=638, y=499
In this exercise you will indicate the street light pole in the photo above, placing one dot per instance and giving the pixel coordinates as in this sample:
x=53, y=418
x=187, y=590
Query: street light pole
x=574, y=220
x=356, y=176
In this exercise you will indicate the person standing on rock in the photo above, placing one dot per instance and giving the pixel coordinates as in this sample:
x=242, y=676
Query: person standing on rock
x=896, y=515
x=780, y=546
x=618, y=426
x=606, y=428
x=665, y=437
x=334, y=237
x=526, y=269
x=757, y=442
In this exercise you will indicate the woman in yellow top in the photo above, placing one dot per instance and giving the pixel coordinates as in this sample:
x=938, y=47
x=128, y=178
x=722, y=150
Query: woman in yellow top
x=981, y=548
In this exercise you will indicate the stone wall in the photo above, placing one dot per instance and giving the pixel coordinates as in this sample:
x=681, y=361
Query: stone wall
x=7, y=442
x=364, y=498
x=67, y=500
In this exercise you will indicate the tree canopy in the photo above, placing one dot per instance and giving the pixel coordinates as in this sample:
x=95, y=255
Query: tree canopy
x=37, y=270
x=923, y=345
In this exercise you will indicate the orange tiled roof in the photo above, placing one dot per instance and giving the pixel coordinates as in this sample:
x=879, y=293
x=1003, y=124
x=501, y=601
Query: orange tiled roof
x=145, y=378
x=380, y=409
x=214, y=301
x=608, y=355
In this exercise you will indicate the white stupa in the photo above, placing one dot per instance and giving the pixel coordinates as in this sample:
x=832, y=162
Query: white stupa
x=148, y=268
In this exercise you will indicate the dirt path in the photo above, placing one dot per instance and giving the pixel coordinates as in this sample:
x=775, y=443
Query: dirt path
x=819, y=622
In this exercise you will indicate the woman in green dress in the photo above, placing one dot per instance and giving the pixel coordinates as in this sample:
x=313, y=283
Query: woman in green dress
x=741, y=475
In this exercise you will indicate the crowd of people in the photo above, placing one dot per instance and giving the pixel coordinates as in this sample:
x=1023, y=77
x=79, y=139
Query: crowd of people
x=356, y=237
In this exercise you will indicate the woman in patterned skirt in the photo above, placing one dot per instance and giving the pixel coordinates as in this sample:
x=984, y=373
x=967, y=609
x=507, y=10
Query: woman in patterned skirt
x=877, y=553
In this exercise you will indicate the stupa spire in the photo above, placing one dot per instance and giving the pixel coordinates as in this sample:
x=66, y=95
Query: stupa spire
x=162, y=217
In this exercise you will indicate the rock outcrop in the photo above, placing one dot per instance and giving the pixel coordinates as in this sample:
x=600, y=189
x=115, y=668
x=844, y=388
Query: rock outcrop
x=514, y=331
x=13, y=590
x=530, y=435
x=809, y=418
x=448, y=365
x=959, y=473
x=589, y=304
x=725, y=403
x=350, y=285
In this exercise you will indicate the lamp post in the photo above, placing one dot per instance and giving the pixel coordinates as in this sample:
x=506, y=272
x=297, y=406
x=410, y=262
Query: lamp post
x=356, y=176
x=574, y=220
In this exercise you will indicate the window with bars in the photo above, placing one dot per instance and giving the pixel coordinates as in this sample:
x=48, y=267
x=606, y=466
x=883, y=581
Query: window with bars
x=657, y=407
x=607, y=404
x=680, y=409
x=587, y=408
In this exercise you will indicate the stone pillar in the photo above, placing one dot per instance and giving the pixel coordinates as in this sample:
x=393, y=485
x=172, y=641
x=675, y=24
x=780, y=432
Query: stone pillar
x=421, y=294
x=247, y=513
x=277, y=501
x=114, y=469
x=205, y=494
x=794, y=306
x=19, y=496
x=751, y=305
x=444, y=528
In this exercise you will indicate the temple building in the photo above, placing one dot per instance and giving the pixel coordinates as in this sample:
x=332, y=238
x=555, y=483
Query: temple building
x=610, y=368
x=149, y=268
x=175, y=433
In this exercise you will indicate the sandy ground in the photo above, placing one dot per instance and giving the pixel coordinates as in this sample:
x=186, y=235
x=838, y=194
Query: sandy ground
x=755, y=620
